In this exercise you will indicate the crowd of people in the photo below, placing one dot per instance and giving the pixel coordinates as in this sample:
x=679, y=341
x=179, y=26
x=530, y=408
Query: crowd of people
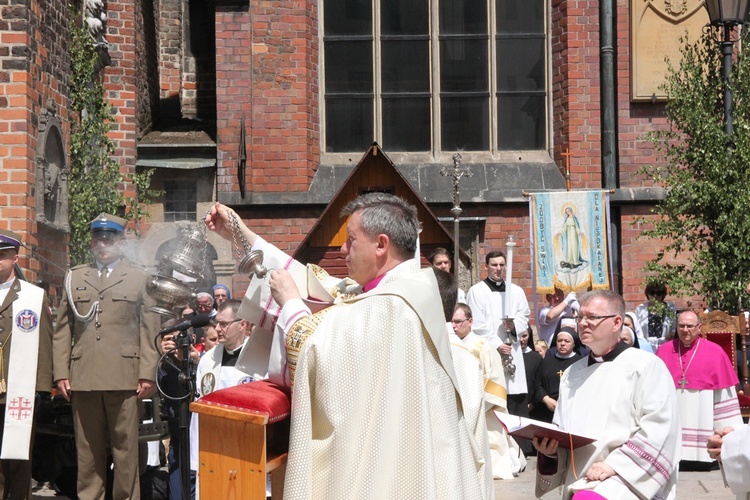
x=400, y=380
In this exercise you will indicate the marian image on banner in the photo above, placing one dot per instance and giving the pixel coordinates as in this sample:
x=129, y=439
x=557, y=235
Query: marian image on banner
x=570, y=234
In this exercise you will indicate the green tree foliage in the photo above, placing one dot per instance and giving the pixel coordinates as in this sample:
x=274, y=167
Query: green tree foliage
x=95, y=179
x=705, y=216
x=144, y=196
x=94, y=174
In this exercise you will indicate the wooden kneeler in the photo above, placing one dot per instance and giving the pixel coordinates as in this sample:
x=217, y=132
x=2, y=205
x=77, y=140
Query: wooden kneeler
x=244, y=433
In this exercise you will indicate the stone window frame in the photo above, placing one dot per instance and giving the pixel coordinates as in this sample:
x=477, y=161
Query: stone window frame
x=495, y=151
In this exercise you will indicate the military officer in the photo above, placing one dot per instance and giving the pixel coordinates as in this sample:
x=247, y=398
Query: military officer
x=25, y=367
x=105, y=360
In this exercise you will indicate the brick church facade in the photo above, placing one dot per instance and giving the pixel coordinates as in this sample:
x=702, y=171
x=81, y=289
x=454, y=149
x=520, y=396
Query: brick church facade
x=268, y=105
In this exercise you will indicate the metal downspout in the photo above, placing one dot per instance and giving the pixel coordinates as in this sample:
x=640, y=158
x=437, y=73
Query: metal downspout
x=608, y=103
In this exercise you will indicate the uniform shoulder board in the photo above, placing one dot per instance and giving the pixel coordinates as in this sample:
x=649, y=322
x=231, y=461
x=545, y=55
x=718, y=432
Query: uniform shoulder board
x=80, y=266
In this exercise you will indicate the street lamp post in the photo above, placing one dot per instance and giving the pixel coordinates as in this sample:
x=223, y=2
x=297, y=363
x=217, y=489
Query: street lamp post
x=727, y=14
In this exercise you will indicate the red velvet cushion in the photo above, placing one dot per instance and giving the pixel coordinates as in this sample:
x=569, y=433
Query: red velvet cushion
x=726, y=341
x=744, y=400
x=260, y=396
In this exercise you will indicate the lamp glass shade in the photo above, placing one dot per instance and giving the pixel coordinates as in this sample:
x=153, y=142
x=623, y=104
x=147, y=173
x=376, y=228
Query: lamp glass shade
x=722, y=12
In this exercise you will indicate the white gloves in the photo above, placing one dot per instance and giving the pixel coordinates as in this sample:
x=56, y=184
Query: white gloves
x=572, y=301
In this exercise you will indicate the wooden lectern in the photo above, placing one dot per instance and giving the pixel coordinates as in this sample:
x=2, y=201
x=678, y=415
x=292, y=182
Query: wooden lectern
x=244, y=433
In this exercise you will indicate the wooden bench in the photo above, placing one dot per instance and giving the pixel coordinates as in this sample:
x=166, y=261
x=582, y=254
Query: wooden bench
x=244, y=434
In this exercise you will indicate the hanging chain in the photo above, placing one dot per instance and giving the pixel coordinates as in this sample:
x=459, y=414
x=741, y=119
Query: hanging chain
x=235, y=226
x=203, y=230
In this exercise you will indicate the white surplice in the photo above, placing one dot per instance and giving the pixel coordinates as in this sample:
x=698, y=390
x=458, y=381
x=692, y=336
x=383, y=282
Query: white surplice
x=735, y=458
x=702, y=412
x=488, y=310
x=471, y=386
x=506, y=458
x=630, y=407
x=375, y=407
x=211, y=376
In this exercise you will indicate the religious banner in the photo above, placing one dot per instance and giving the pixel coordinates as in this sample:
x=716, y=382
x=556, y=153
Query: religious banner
x=570, y=240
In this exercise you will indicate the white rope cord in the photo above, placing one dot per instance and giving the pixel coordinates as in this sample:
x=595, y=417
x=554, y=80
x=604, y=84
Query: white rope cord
x=94, y=311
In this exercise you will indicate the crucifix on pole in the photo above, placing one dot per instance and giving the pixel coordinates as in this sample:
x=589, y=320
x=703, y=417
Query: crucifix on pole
x=567, y=154
x=456, y=172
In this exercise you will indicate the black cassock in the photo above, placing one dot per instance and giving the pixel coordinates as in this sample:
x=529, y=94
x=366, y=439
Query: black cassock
x=547, y=383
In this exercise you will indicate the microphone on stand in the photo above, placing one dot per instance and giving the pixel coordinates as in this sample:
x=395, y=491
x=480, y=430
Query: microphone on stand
x=197, y=321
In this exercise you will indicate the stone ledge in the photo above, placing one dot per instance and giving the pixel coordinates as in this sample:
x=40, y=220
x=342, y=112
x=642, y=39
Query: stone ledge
x=491, y=183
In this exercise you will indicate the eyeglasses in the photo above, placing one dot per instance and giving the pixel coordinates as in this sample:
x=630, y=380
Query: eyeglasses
x=459, y=323
x=224, y=324
x=686, y=327
x=594, y=319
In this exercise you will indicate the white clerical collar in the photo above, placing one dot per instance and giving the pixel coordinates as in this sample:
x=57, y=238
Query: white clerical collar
x=497, y=283
x=234, y=352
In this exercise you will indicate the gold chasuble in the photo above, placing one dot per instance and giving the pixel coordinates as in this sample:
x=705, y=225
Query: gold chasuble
x=297, y=337
x=375, y=407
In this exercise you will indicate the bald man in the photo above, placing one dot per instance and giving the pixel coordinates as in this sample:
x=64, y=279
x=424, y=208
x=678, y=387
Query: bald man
x=704, y=380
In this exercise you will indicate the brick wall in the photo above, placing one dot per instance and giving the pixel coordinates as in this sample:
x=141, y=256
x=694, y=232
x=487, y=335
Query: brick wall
x=577, y=97
x=275, y=158
x=33, y=69
x=170, y=55
x=285, y=227
x=198, y=68
x=119, y=79
x=634, y=120
x=576, y=90
x=147, y=68
x=576, y=110
x=267, y=69
x=636, y=251
x=17, y=101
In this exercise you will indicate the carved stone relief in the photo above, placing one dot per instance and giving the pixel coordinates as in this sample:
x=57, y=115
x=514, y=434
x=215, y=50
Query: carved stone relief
x=656, y=27
x=51, y=171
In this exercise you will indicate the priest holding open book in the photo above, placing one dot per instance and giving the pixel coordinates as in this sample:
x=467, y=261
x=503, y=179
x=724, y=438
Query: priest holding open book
x=624, y=399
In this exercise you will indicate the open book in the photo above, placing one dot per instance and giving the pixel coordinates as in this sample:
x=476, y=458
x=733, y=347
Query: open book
x=529, y=428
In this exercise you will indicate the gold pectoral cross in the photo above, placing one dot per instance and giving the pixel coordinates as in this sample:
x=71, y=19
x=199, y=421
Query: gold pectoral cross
x=559, y=374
